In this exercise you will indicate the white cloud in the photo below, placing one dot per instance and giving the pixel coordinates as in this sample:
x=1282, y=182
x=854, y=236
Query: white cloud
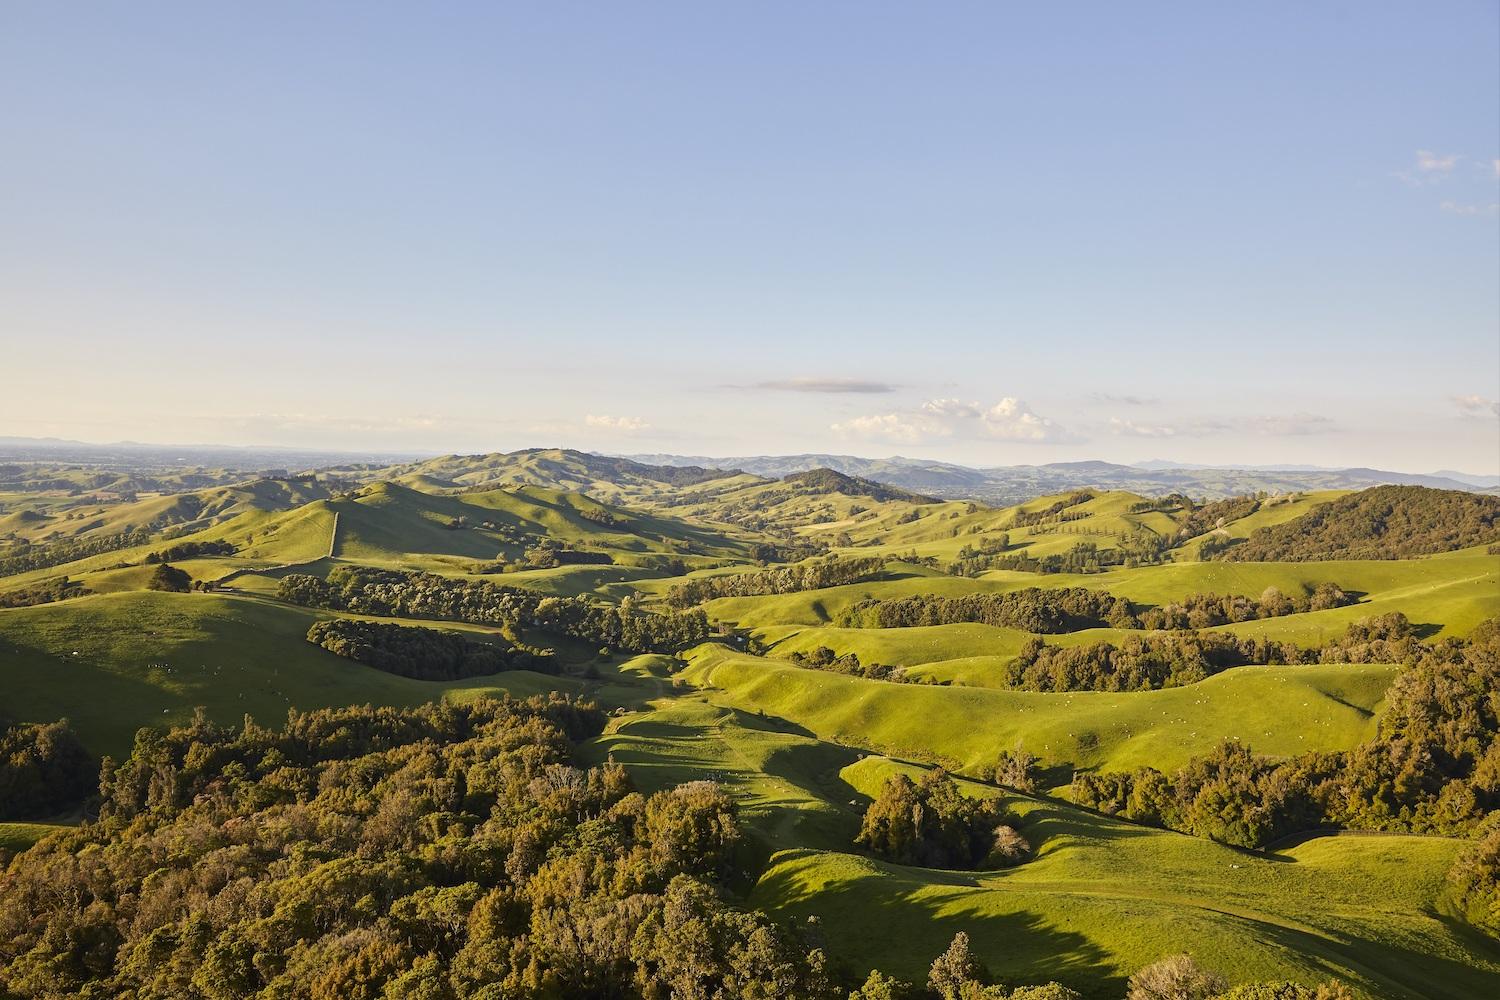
x=1476, y=406
x=1133, y=429
x=1429, y=162
x=1495, y=168
x=1013, y=420
x=1430, y=168
x=626, y=425
x=1289, y=425
x=1470, y=209
x=1008, y=420
x=908, y=428
x=952, y=409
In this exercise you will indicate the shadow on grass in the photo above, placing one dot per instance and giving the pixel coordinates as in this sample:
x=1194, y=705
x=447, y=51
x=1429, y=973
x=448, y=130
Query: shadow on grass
x=899, y=919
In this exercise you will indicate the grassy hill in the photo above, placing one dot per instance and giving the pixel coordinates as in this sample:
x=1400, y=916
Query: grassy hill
x=1387, y=522
x=803, y=750
x=1277, y=710
x=1302, y=914
x=551, y=468
x=115, y=662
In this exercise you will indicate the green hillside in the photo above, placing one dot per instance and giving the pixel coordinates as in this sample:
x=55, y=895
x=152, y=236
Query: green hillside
x=802, y=751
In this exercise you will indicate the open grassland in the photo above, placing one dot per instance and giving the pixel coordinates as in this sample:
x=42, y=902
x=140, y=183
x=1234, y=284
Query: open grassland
x=16, y=837
x=1452, y=593
x=1276, y=710
x=112, y=663
x=1072, y=914
x=1104, y=898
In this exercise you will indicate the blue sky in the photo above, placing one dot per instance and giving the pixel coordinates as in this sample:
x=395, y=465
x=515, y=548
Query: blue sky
x=983, y=232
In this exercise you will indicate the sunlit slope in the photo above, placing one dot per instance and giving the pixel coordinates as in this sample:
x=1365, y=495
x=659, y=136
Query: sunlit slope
x=1276, y=710
x=1101, y=898
x=1105, y=898
x=1452, y=592
x=1279, y=510
x=115, y=662
x=185, y=512
x=612, y=479
x=387, y=522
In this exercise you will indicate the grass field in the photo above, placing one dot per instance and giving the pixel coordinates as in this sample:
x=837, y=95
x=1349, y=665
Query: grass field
x=1452, y=593
x=1304, y=914
x=115, y=662
x=17, y=837
x=1276, y=710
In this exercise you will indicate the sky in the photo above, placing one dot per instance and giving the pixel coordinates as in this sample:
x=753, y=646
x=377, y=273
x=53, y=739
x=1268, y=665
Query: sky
x=977, y=232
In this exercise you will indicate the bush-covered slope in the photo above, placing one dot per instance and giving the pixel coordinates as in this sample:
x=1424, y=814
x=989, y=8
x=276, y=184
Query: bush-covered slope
x=1387, y=522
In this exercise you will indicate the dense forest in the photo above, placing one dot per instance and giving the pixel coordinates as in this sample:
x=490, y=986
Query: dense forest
x=1208, y=610
x=444, y=852
x=1034, y=609
x=829, y=481
x=59, y=589
x=1171, y=659
x=1139, y=662
x=44, y=770
x=191, y=550
x=930, y=822
x=813, y=575
x=1386, y=522
x=425, y=654
x=399, y=593
x=25, y=557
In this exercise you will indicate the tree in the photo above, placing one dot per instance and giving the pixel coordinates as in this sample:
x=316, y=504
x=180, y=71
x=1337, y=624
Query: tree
x=1010, y=848
x=881, y=987
x=1017, y=769
x=1176, y=977
x=170, y=579
x=955, y=969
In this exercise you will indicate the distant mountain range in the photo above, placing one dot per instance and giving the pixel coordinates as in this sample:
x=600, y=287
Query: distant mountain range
x=1001, y=485
x=1016, y=483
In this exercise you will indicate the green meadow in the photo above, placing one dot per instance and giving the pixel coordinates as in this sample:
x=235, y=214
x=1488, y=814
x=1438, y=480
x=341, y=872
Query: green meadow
x=804, y=751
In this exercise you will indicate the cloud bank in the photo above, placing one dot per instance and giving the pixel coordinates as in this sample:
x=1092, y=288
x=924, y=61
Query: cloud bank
x=1008, y=420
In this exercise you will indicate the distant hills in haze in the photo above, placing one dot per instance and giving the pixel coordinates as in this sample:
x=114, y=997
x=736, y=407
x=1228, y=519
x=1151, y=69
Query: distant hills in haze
x=1015, y=483
x=1001, y=485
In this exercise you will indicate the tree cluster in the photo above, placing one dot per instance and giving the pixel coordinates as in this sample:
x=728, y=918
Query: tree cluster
x=1172, y=659
x=1475, y=878
x=169, y=578
x=1214, y=515
x=1434, y=766
x=404, y=594
x=190, y=550
x=44, y=770
x=797, y=577
x=1385, y=522
x=548, y=553
x=1034, y=609
x=823, y=658
x=59, y=589
x=1042, y=515
x=425, y=654
x=931, y=823
x=1140, y=662
x=27, y=557
x=443, y=852
x=1208, y=610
